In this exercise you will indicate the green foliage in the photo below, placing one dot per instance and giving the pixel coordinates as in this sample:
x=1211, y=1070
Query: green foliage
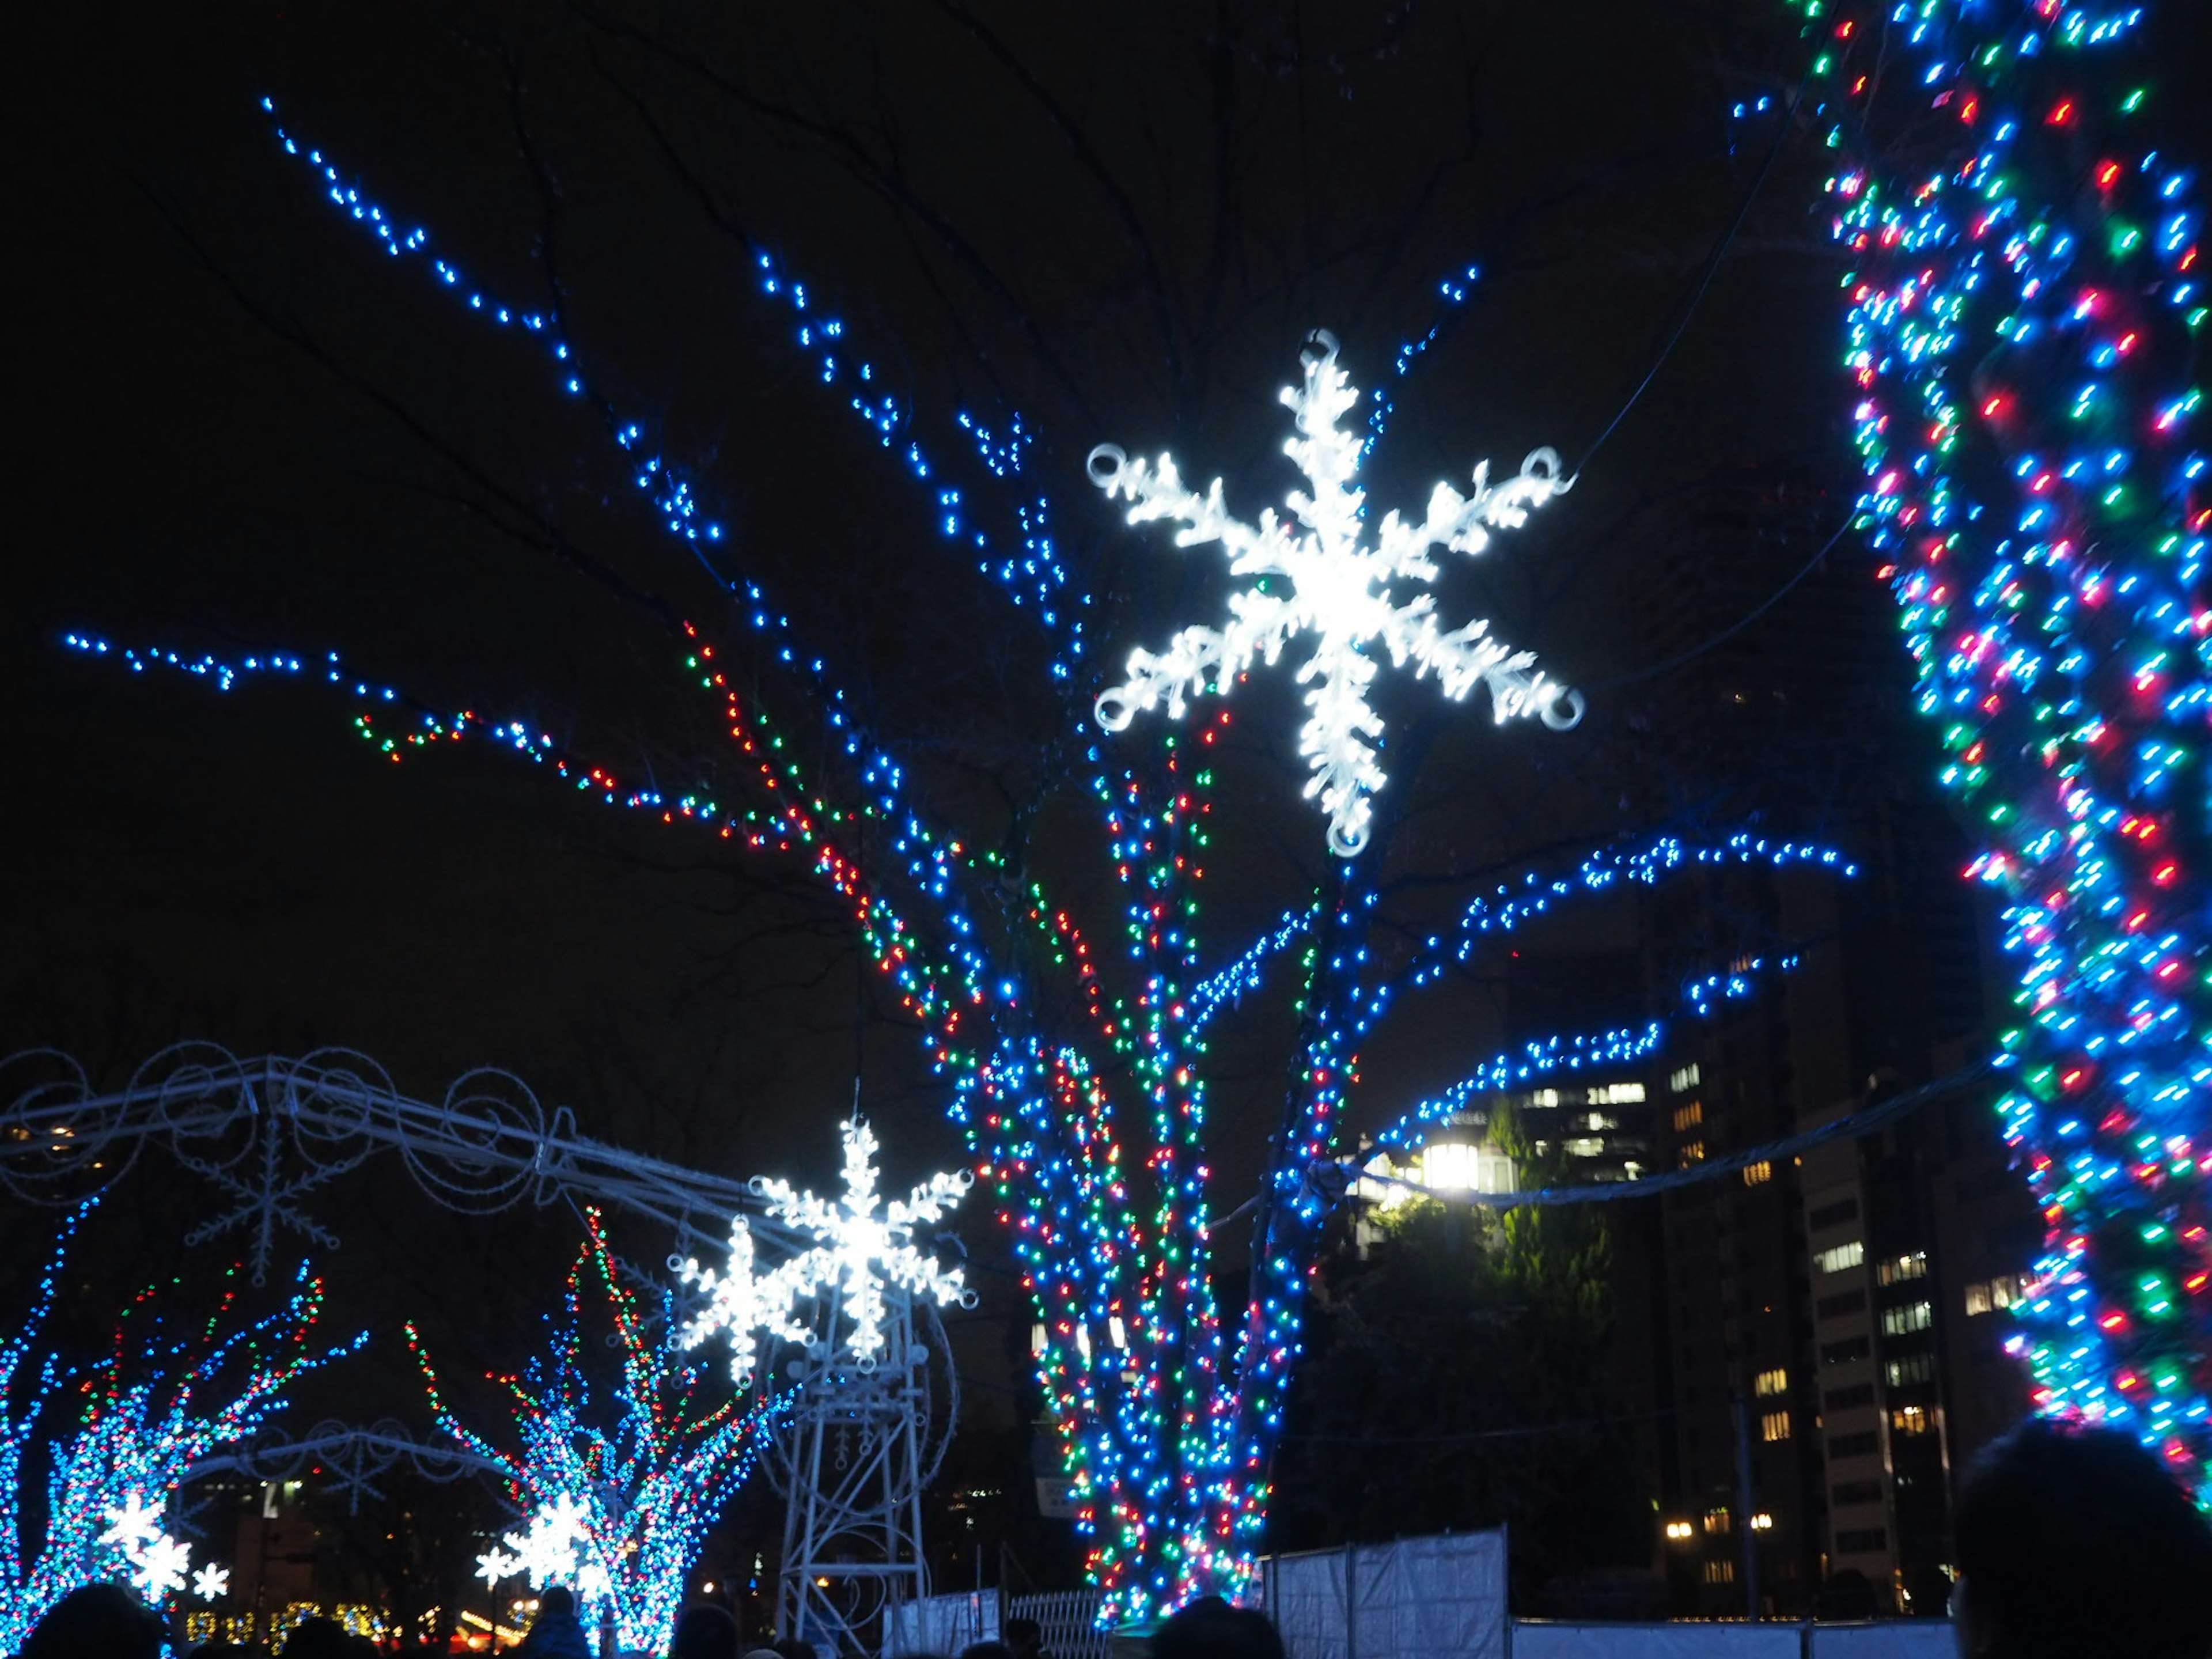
x=1464, y=1371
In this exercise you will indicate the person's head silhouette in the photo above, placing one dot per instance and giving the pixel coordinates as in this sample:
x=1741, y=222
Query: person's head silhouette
x=2074, y=1541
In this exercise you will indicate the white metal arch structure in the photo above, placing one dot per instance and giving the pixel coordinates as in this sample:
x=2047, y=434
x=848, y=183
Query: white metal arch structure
x=269, y=1131
x=352, y=1459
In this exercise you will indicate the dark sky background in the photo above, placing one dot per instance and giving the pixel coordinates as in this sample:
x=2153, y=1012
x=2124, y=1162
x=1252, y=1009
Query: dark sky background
x=181, y=864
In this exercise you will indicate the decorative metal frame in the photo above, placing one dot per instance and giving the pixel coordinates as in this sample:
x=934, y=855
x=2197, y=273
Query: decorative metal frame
x=851, y=1458
x=851, y=1462
x=268, y=1131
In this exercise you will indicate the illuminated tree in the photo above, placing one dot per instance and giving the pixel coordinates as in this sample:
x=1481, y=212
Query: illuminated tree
x=2026, y=317
x=142, y=1415
x=618, y=1486
x=1074, y=1054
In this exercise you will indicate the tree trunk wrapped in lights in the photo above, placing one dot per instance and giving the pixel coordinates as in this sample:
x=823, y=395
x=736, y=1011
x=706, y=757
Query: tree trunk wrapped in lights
x=2026, y=309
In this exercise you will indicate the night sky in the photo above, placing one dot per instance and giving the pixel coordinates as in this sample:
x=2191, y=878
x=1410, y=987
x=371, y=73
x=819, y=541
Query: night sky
x=241, y=427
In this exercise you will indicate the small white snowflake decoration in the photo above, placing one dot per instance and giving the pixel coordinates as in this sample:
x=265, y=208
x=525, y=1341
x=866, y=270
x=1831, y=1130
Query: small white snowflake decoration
x=1315, y=573
x=133, y=1528
x=494, y=1565
x=211, y=1583
x=161, y=1567
x=159, y=1563
x=862, y=1246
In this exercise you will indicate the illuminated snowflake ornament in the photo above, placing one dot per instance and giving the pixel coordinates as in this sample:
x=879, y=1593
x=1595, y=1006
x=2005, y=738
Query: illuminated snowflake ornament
x=159, y=1563
x=133, y=1528
x=495, y=1565
x=211, y=1583
x=1339, y=591
x=863, y=1247
x=546, y=1552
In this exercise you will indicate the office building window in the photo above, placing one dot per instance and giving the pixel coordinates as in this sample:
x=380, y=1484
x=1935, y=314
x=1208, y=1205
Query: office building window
x=1865, y=1540
x=1771, y=1382
x=1865, y=1443
x=1720, y=1572
x=1775, y=1425
x=1683, y=1081
x=1911, y=1419
x=1850, y=1399
x=1692, y=1153
x=1912, y=1316
x=1758, y=1174
x=1848, y=1493
x=1843, y=1352
x=1846, y=1302
x=1834, y=1215
x=1718, y=1521
x=1839, y=1259
x=1990, y=1294
x=1617, y=1094
x=1913, y=1368
x=1689, y=1117
x=1898, y=1269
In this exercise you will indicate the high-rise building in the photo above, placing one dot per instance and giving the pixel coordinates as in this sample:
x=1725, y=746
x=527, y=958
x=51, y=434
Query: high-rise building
x=1824, y=1374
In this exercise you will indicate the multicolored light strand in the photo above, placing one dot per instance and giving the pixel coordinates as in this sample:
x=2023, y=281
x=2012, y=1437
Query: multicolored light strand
x=2026, y=315
x=621, y=1486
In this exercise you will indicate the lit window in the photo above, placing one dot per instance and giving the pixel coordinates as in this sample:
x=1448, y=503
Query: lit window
x=1775, y=1425
x=1617, y=1094
x=1758, y=1174
x=1910, y=1419
x=1899, y=1269
x=1679, y=1531
x=1762, y=1521
x=1454, y=1166
x=1583, y=1147
x=1692, y=1153
x=1545, y=1098
x=1840, y=1258
x=1772, y=1382
x=1988, y=1295
x=1683, y=1081
x=1689, y=1117
x=1912, y=1316
x=1913, y=1368
x=1720, y=1572
x=1717, y=1520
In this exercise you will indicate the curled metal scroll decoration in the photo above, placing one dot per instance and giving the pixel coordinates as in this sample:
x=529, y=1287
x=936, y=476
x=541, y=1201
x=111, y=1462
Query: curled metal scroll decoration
x=268, y=1133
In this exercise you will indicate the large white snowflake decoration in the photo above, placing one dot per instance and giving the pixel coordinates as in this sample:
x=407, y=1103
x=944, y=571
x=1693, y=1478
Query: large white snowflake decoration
x=1340, y=593
x=860, y=1250
x=159, y=1563
x=545, y=1553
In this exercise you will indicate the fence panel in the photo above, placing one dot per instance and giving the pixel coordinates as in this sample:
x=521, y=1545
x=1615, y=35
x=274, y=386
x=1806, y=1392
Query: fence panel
x=1688, y=1641
x=944, y=1624
x=1305, y=1596
x=1068, y=1618
x=1415, y=1598
x=1912, y=1638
